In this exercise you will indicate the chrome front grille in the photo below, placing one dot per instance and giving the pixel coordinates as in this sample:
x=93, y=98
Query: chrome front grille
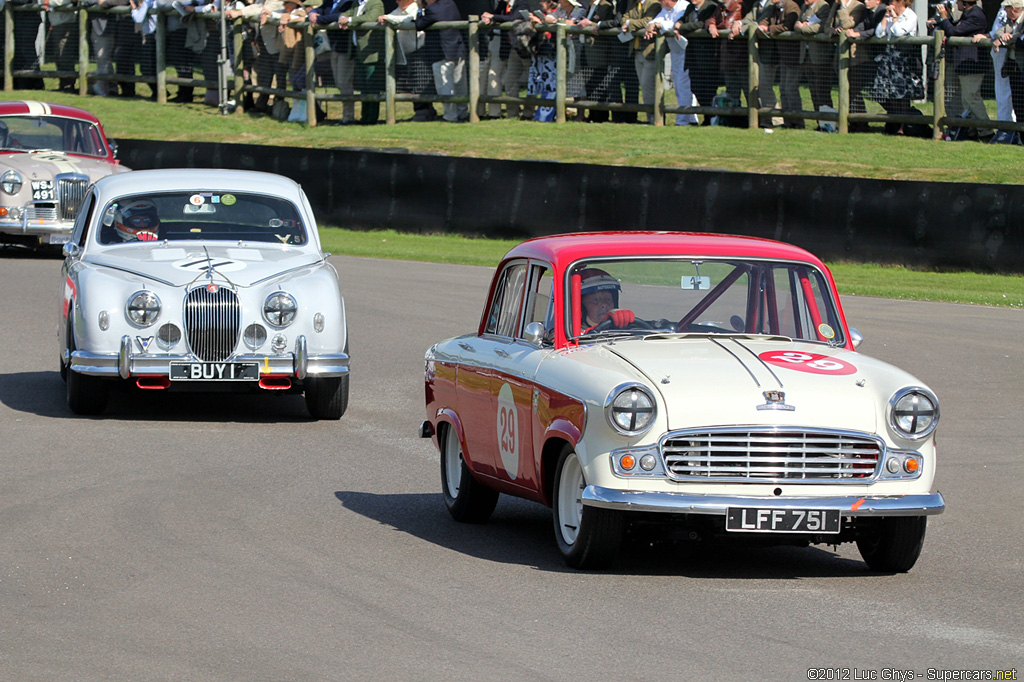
x=772, y=455
x=212, y=321
x=70, y=192
x=45, y=212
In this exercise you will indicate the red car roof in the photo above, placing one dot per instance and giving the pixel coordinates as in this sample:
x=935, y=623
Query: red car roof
x=31, y=108
x=562, y=249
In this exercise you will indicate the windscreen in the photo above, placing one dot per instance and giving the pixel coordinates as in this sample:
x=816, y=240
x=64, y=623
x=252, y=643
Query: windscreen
x=704, y=296
x=55, y=133
x=196, y=215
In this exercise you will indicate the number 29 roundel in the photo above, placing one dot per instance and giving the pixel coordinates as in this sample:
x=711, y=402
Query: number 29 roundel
x=813, y=363
x=508, y=432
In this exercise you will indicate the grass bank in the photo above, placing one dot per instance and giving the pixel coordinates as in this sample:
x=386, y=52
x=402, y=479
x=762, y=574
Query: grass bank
x=787, y=152
x=851, y=278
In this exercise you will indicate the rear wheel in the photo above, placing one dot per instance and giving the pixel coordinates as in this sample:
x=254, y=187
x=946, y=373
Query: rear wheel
x=468, y=501
x=326, y=397
x=894, y=544
x=588, y=537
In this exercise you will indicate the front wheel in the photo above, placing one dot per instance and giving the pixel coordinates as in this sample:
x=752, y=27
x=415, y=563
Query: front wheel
x=894, y=544
x=87, y=395
x=466, y=499
x=588, y=537
x=326, y=397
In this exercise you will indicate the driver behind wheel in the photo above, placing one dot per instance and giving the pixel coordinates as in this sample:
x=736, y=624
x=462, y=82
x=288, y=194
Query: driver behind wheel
x=137, y=220
x=599, y=295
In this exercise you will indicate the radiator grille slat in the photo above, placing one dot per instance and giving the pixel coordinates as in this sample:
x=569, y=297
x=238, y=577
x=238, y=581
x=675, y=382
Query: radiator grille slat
x=212, y=321
x=770, y=456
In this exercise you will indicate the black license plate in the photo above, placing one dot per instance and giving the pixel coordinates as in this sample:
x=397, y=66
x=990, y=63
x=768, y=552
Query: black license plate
x=215, y=371
x=42, y=190
x=754, y=520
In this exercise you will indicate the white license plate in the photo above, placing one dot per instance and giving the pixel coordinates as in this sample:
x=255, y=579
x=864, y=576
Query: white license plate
x=58, y=238
x=215, y=371
x=755, y=520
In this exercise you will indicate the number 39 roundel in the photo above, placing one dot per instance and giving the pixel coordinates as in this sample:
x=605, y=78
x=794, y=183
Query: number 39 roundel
x=812, y=363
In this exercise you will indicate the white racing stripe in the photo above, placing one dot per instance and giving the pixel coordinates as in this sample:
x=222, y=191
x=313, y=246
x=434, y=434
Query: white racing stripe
x=38, y=108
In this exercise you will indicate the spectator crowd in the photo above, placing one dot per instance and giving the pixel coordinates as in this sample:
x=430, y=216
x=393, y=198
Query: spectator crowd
x=611, y=56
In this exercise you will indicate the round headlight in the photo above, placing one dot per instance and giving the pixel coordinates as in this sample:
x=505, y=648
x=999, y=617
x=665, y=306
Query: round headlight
x=914, y=412
x=279, y=309
x=11, y=182
x=143, y=308
x=630, y=409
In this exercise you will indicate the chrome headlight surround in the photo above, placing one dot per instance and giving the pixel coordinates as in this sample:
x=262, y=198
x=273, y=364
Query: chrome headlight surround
x=913, y=412
x=11, y=182
x=631, y=409
x=142, y=308
x=279, y=309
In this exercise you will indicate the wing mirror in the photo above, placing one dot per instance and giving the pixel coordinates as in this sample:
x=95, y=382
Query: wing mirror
x=71, y=249
x=534, y=333
x=856, y=337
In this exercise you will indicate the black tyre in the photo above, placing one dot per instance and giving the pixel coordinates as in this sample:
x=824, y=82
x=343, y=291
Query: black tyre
x=587, y=537
x=326, y=397
x=68, y=343
x=87, y=395
x=894, y=544
x=468, y=501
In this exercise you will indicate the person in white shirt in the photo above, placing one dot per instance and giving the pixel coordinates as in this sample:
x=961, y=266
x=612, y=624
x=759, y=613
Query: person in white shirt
x=665, y=22
x=898, y=78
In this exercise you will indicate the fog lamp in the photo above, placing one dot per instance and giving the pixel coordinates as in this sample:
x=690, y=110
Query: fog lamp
x=648, y=462
x=892, y=465
x=167, y=336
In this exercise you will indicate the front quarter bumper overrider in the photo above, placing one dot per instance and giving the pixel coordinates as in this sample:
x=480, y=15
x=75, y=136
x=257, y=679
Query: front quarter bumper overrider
x=127, y=363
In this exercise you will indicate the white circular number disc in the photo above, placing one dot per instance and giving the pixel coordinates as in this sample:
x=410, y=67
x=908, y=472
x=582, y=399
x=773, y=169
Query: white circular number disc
x=508, y=431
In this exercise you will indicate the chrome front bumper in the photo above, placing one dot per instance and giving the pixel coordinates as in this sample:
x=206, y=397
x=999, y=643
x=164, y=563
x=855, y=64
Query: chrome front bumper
x=46, y=232
x=718, y=505
x=127, y=363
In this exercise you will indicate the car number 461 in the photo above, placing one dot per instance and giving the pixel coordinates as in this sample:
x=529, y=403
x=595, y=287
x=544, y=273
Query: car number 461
x=754, y=520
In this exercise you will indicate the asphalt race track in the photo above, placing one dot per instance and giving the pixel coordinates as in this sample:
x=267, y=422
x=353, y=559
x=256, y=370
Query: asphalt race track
x=226, y=538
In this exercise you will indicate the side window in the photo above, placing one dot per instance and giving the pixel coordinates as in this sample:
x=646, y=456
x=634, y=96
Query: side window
x=504, y=312
x=79, y=233
x=539, y=307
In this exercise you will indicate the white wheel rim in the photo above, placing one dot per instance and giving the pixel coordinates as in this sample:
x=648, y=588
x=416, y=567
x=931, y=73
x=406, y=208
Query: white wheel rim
x=570, y=499
x=453, y=462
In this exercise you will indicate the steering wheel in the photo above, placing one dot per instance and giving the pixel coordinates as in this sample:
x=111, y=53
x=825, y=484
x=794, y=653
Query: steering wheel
x=607, y=324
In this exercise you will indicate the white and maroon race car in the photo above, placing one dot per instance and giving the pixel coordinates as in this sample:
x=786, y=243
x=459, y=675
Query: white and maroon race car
x=49, y=155
x=705, y=382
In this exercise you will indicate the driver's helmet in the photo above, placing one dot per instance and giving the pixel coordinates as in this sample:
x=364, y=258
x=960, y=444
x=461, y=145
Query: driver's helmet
x=594, y=279
x=137, y=220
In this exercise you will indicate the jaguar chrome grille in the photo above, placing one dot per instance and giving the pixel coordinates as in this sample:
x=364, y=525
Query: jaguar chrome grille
x=70, y=192
x=768, y=455
x=212, y=321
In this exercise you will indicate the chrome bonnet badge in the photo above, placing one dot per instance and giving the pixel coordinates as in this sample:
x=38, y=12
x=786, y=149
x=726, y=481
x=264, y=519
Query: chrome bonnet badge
x=775, y=400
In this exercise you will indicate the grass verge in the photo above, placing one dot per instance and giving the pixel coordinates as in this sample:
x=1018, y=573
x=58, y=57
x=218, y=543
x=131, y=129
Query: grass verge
x=852, y=279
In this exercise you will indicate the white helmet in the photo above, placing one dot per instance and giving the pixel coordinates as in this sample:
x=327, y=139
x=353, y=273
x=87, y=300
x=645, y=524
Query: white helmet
x=137, y=220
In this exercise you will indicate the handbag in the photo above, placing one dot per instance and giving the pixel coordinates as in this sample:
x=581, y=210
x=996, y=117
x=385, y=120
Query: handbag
x=298, y=112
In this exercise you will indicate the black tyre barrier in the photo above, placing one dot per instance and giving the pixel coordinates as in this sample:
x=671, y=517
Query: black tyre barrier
x=946, y=225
